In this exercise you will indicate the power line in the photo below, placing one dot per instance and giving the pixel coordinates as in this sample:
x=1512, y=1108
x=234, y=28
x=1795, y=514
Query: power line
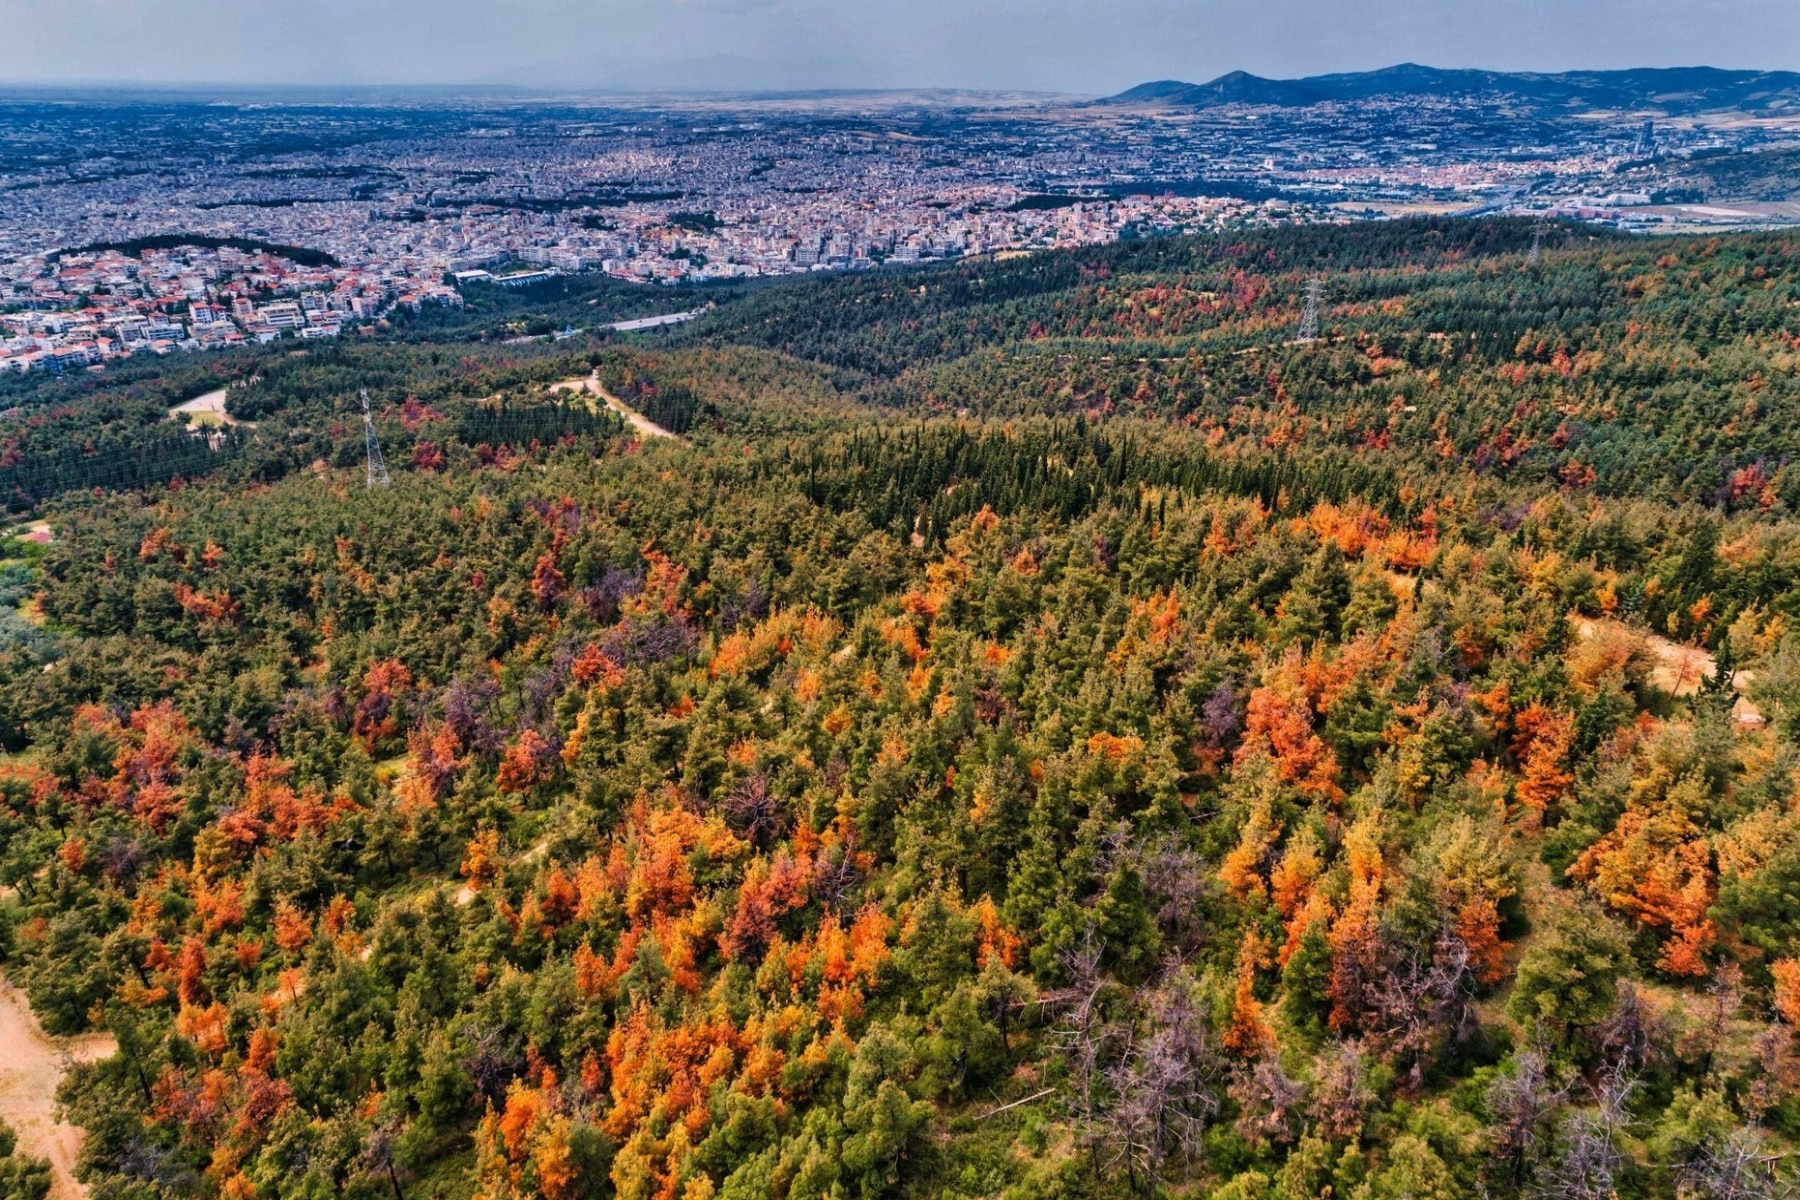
x=153, y=458
x=44, y=472
x=378, y=472
x=1309, y=319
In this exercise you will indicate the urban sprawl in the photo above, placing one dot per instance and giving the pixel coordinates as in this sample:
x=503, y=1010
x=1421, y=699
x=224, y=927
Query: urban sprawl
x=404, y=207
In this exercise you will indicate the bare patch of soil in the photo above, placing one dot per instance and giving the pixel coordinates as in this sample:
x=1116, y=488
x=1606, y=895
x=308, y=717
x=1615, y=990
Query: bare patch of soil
x=32, y=1064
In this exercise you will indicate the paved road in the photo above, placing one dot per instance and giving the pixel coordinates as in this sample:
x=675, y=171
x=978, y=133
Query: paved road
x=652, y=322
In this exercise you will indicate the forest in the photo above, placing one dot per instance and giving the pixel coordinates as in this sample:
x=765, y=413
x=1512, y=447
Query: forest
x=1037, y=729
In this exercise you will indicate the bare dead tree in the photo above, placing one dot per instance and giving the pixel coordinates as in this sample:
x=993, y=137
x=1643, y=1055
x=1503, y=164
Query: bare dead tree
x=1160, y=1086
x=1142, y=1089
x=1587, y=1164
x=836, y=875
x=1724, y=995
x=1631, y=1037
x=753, y=811
x=1269, y=1101
x=492, y=1060
x=1181, y=1062
x=1780, y=1073
x=1427, y=994
x=1341, y=1095
x=1522, y=1104
x=1178, y=882
x=1739, y=1167
x=378, y=1153
x=1126, y=1128
x=1589, y=1158
x=1082, y=1036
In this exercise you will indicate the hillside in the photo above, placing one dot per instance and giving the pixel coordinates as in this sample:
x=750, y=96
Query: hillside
x=1766, y=175
x=1606, y=370
x=1671, y=91
x=1040, y=731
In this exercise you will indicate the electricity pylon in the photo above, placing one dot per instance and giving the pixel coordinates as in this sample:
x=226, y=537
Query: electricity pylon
x=378, y=472
x=1537, y=242
x=1309, y=318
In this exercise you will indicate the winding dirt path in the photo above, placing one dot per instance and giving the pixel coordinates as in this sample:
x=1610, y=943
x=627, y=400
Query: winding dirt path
x=637, y=420
x=32, y=1064
x=1680, y=670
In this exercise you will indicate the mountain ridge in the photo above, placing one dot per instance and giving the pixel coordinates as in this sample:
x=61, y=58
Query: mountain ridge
x=1666, y=89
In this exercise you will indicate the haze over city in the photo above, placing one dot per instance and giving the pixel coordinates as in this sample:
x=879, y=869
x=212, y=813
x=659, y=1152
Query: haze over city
x=1072, y=46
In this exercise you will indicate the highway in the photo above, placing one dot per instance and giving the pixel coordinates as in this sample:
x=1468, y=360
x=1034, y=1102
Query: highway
x=653, y=322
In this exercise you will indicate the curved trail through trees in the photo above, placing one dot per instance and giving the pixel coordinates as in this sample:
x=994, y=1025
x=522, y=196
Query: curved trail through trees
x=1680, y=670
x=32, y=1064
x=634, y=418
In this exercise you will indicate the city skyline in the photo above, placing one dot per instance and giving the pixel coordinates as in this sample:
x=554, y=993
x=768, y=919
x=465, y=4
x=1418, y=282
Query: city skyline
x=1056, y=46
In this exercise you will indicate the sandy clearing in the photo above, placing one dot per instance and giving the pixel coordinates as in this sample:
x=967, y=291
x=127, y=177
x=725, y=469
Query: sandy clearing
x=205, y=409
x=32, y=1064
x=1681, y=670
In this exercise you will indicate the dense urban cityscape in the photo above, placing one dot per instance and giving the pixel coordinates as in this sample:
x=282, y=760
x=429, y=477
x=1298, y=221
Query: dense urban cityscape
x=406, y=203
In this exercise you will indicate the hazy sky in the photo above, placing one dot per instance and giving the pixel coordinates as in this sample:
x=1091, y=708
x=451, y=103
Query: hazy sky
x=1065, y=45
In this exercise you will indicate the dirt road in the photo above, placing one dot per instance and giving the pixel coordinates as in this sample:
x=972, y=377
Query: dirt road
x=31, y=1065
x=635, y=419
x=1680, y=670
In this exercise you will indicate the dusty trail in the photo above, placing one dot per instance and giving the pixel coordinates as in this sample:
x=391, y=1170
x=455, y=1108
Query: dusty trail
x=1680, y=670
x=31, y=1065
x=635, y=419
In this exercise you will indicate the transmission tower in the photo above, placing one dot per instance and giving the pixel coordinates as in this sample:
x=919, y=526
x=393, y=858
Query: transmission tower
x=1537, y=241
x=1309, y=319
x=378, y=473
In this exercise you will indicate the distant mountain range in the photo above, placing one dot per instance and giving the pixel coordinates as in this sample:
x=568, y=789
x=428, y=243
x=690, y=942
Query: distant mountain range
x=1670, y=90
